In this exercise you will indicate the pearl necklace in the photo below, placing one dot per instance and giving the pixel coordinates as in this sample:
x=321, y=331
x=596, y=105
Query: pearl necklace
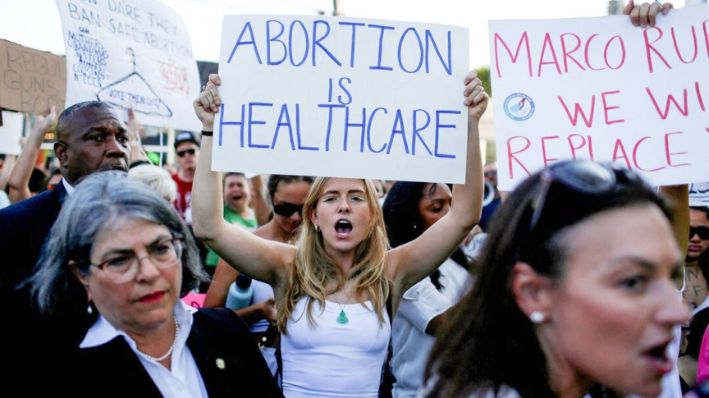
x=169, y=351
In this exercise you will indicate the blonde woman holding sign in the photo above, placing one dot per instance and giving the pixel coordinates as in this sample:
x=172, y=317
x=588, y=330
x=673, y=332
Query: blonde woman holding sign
x=334, y=287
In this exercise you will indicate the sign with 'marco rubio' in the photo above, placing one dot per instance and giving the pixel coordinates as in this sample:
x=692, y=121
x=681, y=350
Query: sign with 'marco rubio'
x=603, y=89
x=342, y=97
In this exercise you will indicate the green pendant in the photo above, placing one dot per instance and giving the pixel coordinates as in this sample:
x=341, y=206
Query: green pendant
x=342, y=318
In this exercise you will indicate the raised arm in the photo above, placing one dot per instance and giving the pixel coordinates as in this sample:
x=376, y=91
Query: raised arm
x=678, y=195
x=137, y=152
x=411, y=262
x=646, y=14
x=258, y=200
x=19, y=179
x=261, y=259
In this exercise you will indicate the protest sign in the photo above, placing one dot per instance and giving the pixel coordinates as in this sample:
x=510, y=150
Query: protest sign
x=699, y=194
x=133, y=54
x=11, y=133
x=342, y=97
x=32, y=81
x=600, y=88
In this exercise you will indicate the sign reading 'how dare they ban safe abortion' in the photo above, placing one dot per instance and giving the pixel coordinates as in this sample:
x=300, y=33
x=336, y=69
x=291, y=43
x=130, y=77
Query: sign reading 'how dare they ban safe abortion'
x=342, y=97
x=132, y=54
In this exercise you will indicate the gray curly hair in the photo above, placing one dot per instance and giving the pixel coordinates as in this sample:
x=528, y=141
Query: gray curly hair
x=100, y=200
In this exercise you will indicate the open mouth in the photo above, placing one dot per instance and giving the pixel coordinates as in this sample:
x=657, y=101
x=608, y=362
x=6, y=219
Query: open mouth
x=343, y=228
x=658, y=358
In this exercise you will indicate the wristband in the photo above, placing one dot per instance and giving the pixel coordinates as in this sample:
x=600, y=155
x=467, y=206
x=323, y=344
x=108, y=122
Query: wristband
x=207, y=133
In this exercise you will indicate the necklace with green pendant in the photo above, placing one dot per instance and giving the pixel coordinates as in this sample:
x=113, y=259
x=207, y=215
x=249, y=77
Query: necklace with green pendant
x=342, y=317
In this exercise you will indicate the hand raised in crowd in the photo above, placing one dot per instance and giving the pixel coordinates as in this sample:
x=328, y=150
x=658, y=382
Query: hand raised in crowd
x=134, y=127
x=208, y=102
x=475, y=97
x=646, y=14
x=43, y=123
x=19, y=178
x=137, y=152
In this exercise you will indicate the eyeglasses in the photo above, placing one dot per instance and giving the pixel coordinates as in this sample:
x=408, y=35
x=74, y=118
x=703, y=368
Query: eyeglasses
x=584, y=176
x=286, y=209
x=184, y=152
x=703, y=232
x=124, y=267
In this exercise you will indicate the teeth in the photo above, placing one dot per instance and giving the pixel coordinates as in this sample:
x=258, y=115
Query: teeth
x=343, y=226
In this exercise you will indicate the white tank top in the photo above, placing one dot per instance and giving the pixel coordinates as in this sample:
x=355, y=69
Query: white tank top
x=331, y=359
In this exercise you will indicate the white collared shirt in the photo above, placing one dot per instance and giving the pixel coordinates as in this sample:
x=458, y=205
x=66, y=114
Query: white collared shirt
x=182, y=379
x=69, y=188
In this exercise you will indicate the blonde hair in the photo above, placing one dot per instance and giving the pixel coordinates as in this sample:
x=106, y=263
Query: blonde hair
x=314, y=269
x=156, y=178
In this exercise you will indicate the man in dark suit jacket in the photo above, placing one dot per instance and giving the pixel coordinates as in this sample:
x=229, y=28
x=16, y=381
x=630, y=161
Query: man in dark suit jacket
x=91, y=137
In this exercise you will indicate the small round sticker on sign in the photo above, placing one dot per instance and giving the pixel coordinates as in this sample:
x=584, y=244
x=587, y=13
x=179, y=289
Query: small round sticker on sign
x=519, y=106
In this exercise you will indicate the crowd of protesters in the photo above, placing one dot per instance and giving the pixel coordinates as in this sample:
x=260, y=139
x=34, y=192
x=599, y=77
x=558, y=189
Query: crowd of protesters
x=583, y=281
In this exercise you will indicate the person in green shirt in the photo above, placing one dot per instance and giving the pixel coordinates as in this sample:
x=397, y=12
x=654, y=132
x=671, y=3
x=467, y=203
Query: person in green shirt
x=237, y=195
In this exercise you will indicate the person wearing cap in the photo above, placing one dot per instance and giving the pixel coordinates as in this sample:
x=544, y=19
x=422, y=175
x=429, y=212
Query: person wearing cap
x=187, y=151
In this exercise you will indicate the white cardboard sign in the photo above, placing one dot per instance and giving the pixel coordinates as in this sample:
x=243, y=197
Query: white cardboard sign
x=600, y=88
x=342, y=97
x=11, y=133
x=132, y=54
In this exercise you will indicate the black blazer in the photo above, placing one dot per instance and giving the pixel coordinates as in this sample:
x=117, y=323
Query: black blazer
x=218, y=337
x=34, y=345
x=24, y=226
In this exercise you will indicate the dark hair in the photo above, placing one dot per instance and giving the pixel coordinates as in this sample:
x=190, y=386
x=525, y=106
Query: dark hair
x=401, y=211
x=102, y=199
x=493, y=343
x=403, y=219
x=37, y=181
x=703, y=260
x=275, y=179
x=703, y=209
x=697, y=328
x=66, y=115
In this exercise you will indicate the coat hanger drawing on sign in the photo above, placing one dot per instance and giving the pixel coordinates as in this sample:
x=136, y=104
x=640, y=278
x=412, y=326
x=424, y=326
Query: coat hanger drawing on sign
x=133, y=91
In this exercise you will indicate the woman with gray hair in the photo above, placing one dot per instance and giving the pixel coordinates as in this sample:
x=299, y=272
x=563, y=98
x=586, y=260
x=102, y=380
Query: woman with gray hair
x=130, y=251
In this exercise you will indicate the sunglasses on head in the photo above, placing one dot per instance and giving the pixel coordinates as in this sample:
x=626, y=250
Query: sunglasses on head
x=703, y=232
x=572, y=190
x=286, y=209
x=585, y=177
x=184, y=152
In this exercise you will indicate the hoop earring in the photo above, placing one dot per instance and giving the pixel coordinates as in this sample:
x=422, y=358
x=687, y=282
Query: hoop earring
x=317, y=228
x=536, y=317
